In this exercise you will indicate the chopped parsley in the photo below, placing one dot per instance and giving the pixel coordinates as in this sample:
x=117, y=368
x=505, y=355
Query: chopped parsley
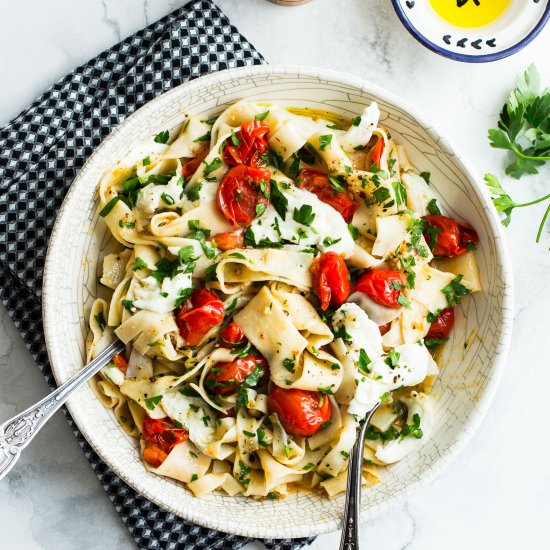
x=100, y=320
x=152, y=402
x=212, y=167
x=413, y=429
x=455, y=290
x=204, y=137
x=109, y=206
x=278, y=200
x=127, y=304
x=168, y=199
x=364, y=361
x=304, y=215
x=432, y=208
x=162, y=137
x=262, y=116
x=324, y=141
x=355, y=121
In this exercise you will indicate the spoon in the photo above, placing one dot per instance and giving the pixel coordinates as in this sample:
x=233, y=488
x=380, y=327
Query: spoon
x=17, y=433
x=350, y=523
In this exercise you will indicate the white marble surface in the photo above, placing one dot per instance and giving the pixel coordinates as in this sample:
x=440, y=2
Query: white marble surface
x=497, y=493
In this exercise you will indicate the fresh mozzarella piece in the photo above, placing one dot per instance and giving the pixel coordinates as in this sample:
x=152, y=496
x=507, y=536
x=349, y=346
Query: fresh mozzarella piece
x=360, y=135
x=381, y=315
x=396, y=449
x=113, y=375
x=363, y=333
x=150, y=198
x=391, y=232
x=414, y=363
x=367, y=395
x=160, y=298
x=428, y=285
x=195, y=416
x=419, y=193
x=327, y=224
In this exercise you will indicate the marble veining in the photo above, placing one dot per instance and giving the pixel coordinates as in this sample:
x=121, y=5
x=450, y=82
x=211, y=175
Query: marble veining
x=496, y=493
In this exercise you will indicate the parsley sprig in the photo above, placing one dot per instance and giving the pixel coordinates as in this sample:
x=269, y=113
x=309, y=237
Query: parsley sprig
x=505, y=204
x=524, y=125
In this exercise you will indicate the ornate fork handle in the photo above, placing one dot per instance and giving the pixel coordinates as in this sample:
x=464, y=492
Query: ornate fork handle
x=350, y=524
x=17, y=433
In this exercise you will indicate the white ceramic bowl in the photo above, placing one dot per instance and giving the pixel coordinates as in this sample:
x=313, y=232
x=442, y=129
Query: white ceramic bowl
x=469, y=376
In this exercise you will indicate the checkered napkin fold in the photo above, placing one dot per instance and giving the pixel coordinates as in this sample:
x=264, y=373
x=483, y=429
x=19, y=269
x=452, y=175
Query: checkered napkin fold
x=43, y=148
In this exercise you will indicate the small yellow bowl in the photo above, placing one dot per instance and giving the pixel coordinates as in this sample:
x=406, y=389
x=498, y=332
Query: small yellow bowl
x=473, y=31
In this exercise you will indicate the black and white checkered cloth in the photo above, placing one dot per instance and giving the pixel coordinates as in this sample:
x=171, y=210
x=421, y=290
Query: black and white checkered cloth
x=43, y=148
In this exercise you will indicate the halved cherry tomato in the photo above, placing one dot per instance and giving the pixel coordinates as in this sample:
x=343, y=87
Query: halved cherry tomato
x=330, y=280
x=154, y=455
x=377, y=152
x=205, y=312
x=229, y=240
x=443, y=324
x=301, y=412
x=453, y=237
x=120, y=362
x=319, y=184
x=380, y=285
x=226, y=377
x=384, y=328
x=161, y=436
x=190, y=167
x=239, y=193
x=248, y=144
x=232, y=336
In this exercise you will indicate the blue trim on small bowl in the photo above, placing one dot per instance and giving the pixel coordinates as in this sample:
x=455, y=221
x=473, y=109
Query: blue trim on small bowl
x=470, y=58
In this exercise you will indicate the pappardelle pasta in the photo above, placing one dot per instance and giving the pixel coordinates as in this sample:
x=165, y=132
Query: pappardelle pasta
x=280, y=272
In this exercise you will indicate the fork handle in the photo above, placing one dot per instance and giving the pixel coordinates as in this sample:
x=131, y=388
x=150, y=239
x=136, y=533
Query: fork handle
x=17, y=433
x=350, y=525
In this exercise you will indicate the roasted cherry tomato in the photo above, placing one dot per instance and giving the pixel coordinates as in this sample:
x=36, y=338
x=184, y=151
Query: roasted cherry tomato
x=319, y=184
x=120, y=362
x=377, y=152
x=380, y=285
x=154, y=455
x=247, y=145
x=239, y=193
x=226, y=377
x=449, y=237
x=191, y=166
x=232, y=336
x=301, y=412
x=330, y=280
x=161, y=436
x=229, y=240
x=197, y=319
x=443, y=324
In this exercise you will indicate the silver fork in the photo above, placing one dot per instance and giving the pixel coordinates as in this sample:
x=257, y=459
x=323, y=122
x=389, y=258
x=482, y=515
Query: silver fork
x=350, y=523
x=18, y=432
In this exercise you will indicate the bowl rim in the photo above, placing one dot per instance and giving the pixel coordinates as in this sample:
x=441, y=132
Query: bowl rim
x=469, y=426
x=465, y=58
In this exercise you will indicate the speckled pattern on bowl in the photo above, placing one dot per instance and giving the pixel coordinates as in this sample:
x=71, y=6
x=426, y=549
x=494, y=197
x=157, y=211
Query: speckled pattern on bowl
x=469, y=376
